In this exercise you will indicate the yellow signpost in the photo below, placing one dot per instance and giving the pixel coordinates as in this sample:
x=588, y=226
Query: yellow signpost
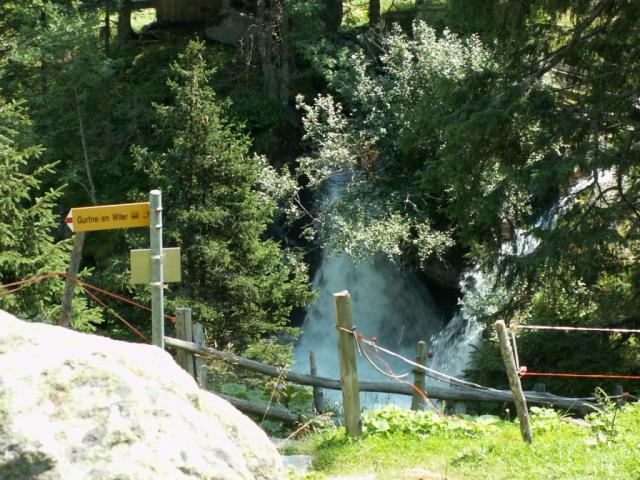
x=108, y=217
x=141, y=265
x=130, y=215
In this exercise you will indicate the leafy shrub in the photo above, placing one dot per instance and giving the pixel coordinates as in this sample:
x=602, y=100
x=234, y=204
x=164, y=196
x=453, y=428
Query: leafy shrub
x=392, y=420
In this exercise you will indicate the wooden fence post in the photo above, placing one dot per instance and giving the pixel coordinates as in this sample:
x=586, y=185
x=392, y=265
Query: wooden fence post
x=184, y=332
x=318, y=396
x=514, y=381
x=348, y=368
x=459, y=408
x=417, y=400
x=201, y=373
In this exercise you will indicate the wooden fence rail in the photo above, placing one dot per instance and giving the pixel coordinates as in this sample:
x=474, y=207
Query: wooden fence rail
x=259, y=408
x=450, y=394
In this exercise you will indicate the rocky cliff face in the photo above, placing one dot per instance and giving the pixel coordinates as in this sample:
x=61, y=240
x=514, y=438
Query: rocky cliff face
x=77, y=407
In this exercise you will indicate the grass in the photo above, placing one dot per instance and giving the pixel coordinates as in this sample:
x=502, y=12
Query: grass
x=409, y=445
x=356, y=13
x=140, y=18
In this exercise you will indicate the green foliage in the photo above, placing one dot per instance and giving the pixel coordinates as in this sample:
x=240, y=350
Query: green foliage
x=239, y=284
x=608, y=424
x=542, y=132
x=64, y=76
x=375, y=143
x=438, y=141
x=545, y=419
x=53, y=59
x=391, y=420
x=563, y=448
x=356, y=12
x=27, y=223
x=88, y=106
x=272, y=353
x=26, y=217
x=273, y=390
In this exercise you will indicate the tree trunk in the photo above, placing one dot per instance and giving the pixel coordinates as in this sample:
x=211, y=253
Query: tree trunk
x=333, y=11
x=85, y=151
x=78, y=244
x=374, y=12
x=284, y=54
x=107, y=27
x=69, y=286
x=266, y=47
x=124, y=21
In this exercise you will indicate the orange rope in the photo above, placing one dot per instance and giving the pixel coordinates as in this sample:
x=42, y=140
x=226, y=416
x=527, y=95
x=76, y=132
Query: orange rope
x=379, y=357
x=115, y=296
x=105, y=306
x=391, y=372
x=10, y=292
x=20, y=284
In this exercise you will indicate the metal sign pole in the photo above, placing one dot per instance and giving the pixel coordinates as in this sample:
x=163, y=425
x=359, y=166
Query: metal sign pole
x=157, y=282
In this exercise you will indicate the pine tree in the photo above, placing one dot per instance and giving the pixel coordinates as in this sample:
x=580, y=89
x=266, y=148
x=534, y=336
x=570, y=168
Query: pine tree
x=27, y=224
x=240, y=284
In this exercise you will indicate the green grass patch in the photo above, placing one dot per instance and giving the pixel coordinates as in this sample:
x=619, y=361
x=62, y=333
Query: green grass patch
x=140, y=18
x=356, y=13
x=400, y=444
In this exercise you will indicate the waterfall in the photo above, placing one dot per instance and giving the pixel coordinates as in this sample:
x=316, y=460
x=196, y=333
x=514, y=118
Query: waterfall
x=526, y=243
x=391, y=304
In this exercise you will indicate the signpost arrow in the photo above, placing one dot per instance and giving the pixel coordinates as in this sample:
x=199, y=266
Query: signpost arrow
x=108, y=217
x=69, y=220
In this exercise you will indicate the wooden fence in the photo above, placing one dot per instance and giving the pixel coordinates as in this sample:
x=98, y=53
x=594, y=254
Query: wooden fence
x=193, y=353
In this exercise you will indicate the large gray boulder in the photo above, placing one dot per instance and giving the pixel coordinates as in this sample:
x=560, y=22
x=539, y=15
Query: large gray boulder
x=234, y=28
x=78, y=407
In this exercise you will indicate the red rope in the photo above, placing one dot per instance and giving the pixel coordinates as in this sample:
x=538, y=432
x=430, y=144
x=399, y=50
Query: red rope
x=105, y=306
x=80, y=283
x=20, y=284
x=414, y=387
x=379, y=357
x=523, y=370
x=10, y=292
x=579, y=375
x=515, y=326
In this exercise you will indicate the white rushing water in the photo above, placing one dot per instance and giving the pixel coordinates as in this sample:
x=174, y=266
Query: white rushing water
x=391, y=304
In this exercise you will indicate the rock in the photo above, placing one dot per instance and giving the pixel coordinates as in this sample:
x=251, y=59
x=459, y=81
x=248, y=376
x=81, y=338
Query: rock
x=284, y=443
x=300, y=464
x=578, y=422
x=232, y=30
x=76, y=407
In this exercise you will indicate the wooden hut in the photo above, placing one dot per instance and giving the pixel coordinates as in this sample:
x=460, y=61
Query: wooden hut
x=186, y=11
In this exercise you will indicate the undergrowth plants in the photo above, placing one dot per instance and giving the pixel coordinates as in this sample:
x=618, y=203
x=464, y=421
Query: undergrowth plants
x=396, y=443
x=391, y=420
